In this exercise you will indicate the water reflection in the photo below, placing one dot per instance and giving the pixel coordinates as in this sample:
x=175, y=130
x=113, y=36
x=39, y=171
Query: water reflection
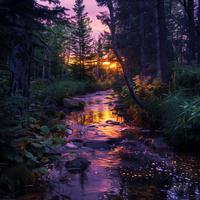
x=129, y=171
x=91, y=122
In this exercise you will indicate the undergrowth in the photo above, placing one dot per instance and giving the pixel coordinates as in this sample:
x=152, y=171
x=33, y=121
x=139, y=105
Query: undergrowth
x=174, y=108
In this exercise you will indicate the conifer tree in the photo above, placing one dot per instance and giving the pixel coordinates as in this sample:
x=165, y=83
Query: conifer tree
x=81, y=36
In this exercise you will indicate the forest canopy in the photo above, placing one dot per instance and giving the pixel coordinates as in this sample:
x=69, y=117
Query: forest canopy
x=148, y=55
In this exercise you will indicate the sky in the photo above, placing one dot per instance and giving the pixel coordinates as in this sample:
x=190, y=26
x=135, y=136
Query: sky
x=93, y=10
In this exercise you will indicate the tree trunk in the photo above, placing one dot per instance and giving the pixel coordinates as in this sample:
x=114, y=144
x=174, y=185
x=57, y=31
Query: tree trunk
x=20, y=59
x=191, y=32
x=128, y=81
x=158, y=61
x=142, y=35
x=19, y=65
x=198, y=48
x=162, y=41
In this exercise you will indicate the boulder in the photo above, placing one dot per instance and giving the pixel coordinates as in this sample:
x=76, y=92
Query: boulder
x=77, y=165
x=68, y=131
x=71, y=103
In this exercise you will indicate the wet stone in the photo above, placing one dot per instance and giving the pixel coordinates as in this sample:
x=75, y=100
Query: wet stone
x=134, y=166
x=71, y=145
x=112, y=122
x=77, y=165
x=92, y=126
x=71, y=103
x=68, y=131
x=97, y=144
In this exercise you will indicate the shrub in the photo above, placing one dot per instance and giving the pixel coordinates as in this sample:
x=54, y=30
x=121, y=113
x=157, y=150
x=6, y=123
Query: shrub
x=150, y=92
x=58, y=90
x=181, y=117
x=176, y=112
x=148, y=87
x=187, y=79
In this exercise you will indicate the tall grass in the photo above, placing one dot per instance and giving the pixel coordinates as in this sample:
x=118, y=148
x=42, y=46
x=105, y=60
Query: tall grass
x=181, y=117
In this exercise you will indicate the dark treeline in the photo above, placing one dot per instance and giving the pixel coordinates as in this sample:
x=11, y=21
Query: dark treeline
x=20, y=34
x=157, y=43
x=38, y=42
x=153, y=34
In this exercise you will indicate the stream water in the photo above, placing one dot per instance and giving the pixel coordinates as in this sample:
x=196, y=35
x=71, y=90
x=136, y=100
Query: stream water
x=123, y=170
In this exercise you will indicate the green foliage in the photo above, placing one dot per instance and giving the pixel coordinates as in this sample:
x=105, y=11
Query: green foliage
x=177, y=112
x=181, y=117
x=11, y=108
x=44, y=130
x=187, y=79
x=150, y=91
x=58, y=90
x=31, y=144
x=60, y=127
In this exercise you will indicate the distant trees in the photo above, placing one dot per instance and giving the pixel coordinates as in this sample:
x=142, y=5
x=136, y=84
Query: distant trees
x=81, y=45
x=50, y=57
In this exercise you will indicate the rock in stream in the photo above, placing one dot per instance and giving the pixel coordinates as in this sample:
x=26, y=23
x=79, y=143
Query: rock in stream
x=77, y=165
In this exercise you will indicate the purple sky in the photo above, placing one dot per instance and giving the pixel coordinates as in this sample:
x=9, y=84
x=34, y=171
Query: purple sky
x=92, y=9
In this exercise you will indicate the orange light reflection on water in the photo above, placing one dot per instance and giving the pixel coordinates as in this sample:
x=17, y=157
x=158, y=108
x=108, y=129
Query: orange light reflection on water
x=94, y=117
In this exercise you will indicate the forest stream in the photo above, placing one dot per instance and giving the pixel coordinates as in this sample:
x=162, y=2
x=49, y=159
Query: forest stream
x=121, y=168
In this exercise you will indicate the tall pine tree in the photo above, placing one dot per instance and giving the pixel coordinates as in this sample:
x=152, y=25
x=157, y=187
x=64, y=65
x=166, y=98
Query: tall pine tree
x=81, y=36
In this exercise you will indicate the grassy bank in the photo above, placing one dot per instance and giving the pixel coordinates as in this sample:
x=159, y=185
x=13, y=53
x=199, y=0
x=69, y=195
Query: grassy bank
x=174, y=108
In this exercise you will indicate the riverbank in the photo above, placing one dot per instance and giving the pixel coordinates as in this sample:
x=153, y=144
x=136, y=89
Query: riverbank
x=121, y=165
x=31, y=137
x=172, y=108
